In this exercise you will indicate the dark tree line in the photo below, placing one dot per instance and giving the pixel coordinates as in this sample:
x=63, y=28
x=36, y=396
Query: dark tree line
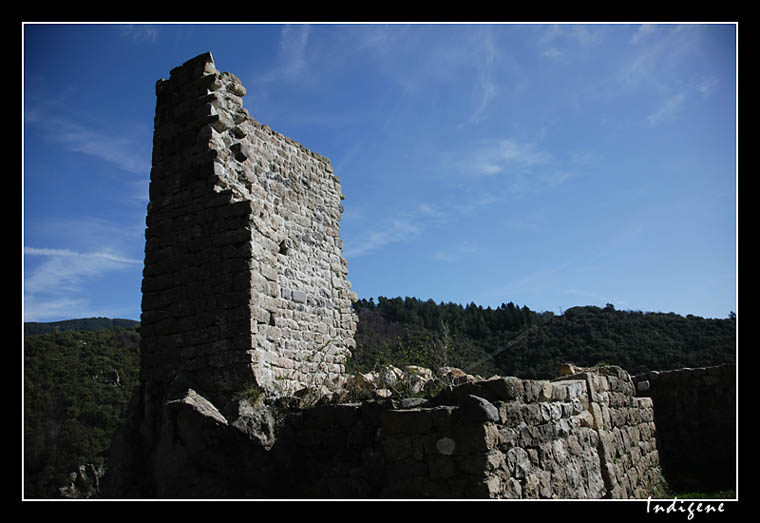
x=516, y=341
x=80, y=324
x=410, y=331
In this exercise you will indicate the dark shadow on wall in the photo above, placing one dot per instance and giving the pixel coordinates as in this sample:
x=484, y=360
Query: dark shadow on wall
x=695, y=416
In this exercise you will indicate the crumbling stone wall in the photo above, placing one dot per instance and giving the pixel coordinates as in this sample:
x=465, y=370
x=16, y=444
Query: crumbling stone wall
x=695, y=413
x=246, y=300
x=582, y=436
x=244, y=283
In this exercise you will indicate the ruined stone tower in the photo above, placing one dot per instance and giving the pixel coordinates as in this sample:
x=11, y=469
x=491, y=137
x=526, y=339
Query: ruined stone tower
x=244, y=283
x=245, y=289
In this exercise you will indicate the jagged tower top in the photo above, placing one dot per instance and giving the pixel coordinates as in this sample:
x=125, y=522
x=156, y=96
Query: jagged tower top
x=244, y=282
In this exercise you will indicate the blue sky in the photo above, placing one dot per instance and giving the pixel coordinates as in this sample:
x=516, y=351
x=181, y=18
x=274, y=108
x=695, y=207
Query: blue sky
x=550, y=165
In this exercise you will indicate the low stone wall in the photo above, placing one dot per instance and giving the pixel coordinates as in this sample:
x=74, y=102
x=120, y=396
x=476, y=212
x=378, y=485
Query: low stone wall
x=503, y=438
x=582, y=436
x=695, y=413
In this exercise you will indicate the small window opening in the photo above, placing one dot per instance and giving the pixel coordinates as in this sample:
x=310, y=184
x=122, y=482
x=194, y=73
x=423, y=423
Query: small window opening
x=284, y=247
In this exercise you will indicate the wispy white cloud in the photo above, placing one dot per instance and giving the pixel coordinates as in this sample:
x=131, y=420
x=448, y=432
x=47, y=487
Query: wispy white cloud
x=658, y=66
x=293, y=45
x=584, y=36
x=504, y=167
x=139, y=32
x=554, y=177
x=554, y=53
x=88, y=234
x=547, y=34
x=477, y=201
x=378, y=39
x=292, y=61
x=469, y=56
x=668, y=110
x=108, y=256
x=124, y=152
x=581, y=158
x=498, y=156
x=64, y=270
x=527, y=283
x=642, y=32
x=655, y=60
x=706, y=85
x=485, y=93
x=431, y=210
x=526, y=154
x=533, y=221
x=561, y=42
x=456, y=252
x=482, y=54
x=45, y=309
x=57, y=285
x=402, y=226
x=395, y=230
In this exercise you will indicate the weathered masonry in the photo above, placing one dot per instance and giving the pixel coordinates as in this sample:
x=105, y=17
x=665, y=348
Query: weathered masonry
x=246, y=305
x=579, y=436
x=244, y=283
x=583, y=436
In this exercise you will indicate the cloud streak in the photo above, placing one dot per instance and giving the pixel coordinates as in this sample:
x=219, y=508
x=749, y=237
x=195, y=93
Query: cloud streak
x=456, y=252
x=504, y=157
x=511, y=167
x=291, y=62
x=484, y=55
x=394, y=231
x=657, y=53
x=642, y=32
x=140, y=32
x=486, y=92
x=120, y=151
x=33, y=251
x=668, y=110
x=561, y=41
x=56, y=285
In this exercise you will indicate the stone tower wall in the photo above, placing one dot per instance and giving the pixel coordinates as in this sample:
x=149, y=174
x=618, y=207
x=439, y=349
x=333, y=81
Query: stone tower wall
x=244, y=282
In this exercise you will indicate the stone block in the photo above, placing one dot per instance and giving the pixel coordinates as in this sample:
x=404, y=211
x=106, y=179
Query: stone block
x=441, y=467
x=445, y=446
x=518, y=462
x=502, y=389
x=475, y=438
x=474, y=409
x=413, y=421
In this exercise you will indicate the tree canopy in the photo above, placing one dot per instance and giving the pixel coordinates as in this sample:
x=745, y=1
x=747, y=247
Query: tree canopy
x=515, y=341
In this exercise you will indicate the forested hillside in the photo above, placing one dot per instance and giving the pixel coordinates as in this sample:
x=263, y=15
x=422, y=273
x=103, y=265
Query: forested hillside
x=516, y=341
x=77, y=382
x=81, y=324
x=76, y=385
